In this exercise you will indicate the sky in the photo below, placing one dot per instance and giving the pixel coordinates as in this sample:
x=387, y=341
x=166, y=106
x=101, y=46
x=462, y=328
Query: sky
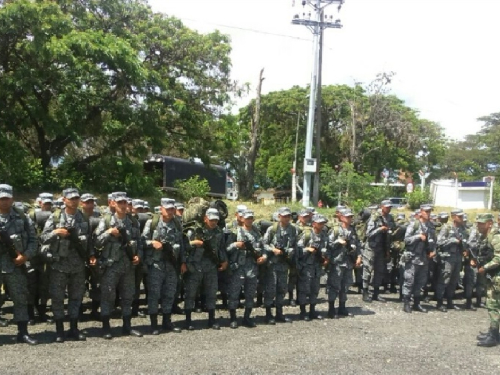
x=442, y=51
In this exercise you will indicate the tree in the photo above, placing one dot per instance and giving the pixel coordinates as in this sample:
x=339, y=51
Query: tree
x=91, y=79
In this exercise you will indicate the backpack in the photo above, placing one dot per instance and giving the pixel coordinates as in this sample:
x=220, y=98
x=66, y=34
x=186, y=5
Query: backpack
x=195, y=211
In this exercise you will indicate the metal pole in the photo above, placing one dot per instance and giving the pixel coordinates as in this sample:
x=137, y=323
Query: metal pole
x=294, y=173
x=312, y=106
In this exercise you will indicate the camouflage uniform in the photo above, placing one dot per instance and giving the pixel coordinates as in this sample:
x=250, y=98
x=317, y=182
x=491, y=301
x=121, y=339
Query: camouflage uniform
x=67, y=265
x=293, y=274
x=244, y=270
x=118, y=270
x=375, y=252
x=276, y=272
x=340, y=265
x=21, y=231
x=309, y=266
x=450, y=243
x=202, y=266
x=416, y=261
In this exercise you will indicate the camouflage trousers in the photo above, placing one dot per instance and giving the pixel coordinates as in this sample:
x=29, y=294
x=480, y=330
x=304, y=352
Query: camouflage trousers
x=140, y=277
x=162, y=281
x=309, y=284
x=17, y=286
x=415, y=278
x=74, y=283
x=208, y=281
x=245, y=276
x=449, y=275
x=275, y=284
x=121, y=276
x=94, y=276
x=493, y=302
x=374, y=267
x=339, y=281
x=473, y=280
x=38, y=285
x=293, y=278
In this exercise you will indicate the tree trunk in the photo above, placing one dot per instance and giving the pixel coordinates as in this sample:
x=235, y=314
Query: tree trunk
x=248, y=183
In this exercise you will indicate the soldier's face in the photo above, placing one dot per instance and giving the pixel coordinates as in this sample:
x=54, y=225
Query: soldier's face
x=458, y=219
x=88, y=205
x=72, y=203
x=318, y=227
x=239, y=219
x=6, y=203
x=386, y=210
x=179, y=212
x=347, y=220
x=248, y=221
x=167, y=213
x=483, y=228
x=285, y=219
x=47, y=207
x=304, y=219
x=425, y=214
x=121, y=207
x=211, y=224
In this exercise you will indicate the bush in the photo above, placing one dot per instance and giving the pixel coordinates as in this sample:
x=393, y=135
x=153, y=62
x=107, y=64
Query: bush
x=192, y=187
x=418, y=197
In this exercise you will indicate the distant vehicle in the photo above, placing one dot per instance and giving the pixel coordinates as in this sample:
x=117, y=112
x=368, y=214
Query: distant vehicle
x=398, y=203
x=221, y=184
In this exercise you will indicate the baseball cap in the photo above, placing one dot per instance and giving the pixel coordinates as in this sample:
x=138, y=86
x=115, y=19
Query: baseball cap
x=5, y=191
x=212, y=214
x=483, y=218
x=284, y=211
x=120, y=196
x=247, y=214
x=168, y=203
x=386, y=203
x=426, y=207
x=401, y=216
x=179, y=205
x=303, y=213
x=240, y=209
x=87, y=197
x=340, y=208
x=457, y=211
x=346, y=212
x=319, y=219
x=71, y=193
x=137, y=203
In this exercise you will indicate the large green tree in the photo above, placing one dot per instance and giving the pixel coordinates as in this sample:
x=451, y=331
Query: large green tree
x=91, y=79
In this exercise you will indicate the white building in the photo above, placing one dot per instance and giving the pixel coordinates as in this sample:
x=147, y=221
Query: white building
x=465, y=195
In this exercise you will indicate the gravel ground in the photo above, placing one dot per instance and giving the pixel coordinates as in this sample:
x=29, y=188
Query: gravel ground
x=379, y=339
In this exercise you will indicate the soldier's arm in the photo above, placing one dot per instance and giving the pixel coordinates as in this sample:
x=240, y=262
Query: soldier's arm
x=372, y=230
x=221, y=249
x=443, y=240
x=495, y=262
x=101, y=234
x=267, y=240
x=48, y=236
x=147, y=234
x=292, y=245
x=32, y=244
x=356, y=241
x=231, y=243
x=410, y=236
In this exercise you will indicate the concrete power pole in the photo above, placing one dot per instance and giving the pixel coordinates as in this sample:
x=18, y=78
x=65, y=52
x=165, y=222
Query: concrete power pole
x=316, y=25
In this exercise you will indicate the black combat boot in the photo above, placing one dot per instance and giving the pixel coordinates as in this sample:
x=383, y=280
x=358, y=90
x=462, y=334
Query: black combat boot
x=31, y=315
x=167, y=325
x=234, y=322
x=303, y=314
x=332, y=312
x=417, y=306
x=106, y=328
x=451, y=306
x=154, y=324
x=74, y=333
x=312, y=312
x=247, y=321
x=479, y=304
x=212, y=323
x=176, y=309
x=189, y=322
x=469, y=306
x=366, y=295
x=440, y=306
x=280, y=317
x=258, y=303
x=23, y=336
x=393, y=289
x=491, y=339
x=376, y=295
x=406, y=307
x=269, y=316
x=127, y=327
x=343, y=310
x=42, y=314
x=60, y=330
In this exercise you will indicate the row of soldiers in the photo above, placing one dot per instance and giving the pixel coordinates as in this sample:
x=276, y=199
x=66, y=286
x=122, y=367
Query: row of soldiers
x=243, y=253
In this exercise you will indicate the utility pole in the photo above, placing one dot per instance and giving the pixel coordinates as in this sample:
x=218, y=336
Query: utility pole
x=294, y=168
x=316, y=25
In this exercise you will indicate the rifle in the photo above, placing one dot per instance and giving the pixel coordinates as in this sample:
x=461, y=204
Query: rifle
x=386, y=236
x=75, y=241
x=319, y=257
x=125, y=243
x=168, y=252
x=249, y=247
x=208, y=249
x=9, y=244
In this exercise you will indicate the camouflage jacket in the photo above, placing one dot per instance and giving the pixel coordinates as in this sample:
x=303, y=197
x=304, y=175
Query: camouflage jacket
x=284, y=238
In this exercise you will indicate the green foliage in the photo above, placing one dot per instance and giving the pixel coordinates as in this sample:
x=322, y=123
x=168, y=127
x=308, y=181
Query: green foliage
x=418, y=197
x=192, y=187
x=353, y=188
